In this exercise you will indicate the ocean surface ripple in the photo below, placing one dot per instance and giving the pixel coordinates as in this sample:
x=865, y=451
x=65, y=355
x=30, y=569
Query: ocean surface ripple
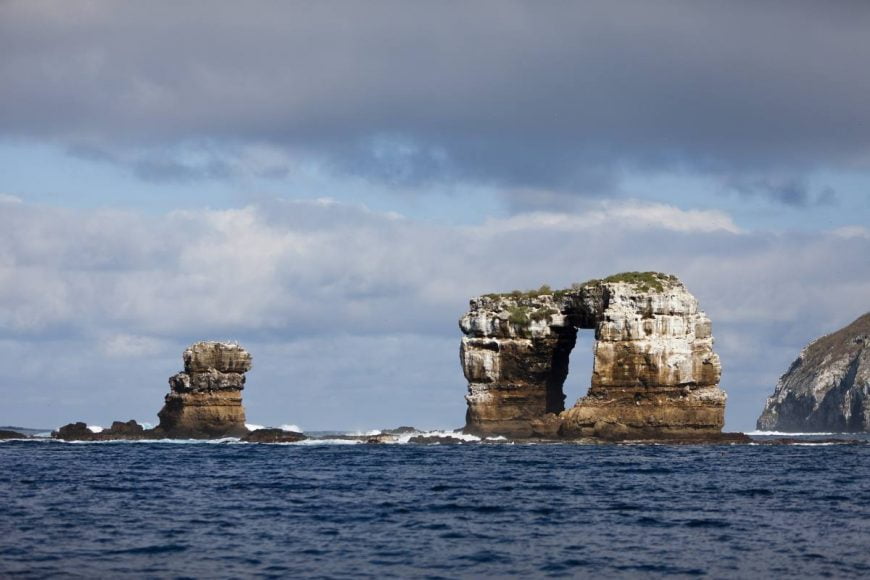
x=228, y=510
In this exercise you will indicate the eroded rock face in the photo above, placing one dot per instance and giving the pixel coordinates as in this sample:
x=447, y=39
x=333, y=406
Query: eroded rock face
x=205, y=400
x=827, y=388
x=654, y=374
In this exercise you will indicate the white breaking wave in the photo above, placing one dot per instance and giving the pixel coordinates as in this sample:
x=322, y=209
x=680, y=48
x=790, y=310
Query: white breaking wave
x=285, y=427
x=406, y=437
x=369, y=433
x=784, y=434
x=323, y=442
x=359, y=438
x=95, y=429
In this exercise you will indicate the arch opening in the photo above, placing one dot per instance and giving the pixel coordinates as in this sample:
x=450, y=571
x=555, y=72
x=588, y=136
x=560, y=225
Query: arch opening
x=579, y=376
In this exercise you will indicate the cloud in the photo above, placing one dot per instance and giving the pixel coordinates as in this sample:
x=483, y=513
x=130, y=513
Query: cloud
x=788, y=191
x=524, y=95
x=345, y=308
x=625, y=215
x=853, y=231
x=130, y=346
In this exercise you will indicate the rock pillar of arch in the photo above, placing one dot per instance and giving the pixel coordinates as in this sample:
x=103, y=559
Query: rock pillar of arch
x=655, y=374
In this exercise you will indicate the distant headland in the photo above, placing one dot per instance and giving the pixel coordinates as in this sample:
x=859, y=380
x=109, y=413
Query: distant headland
x=827, y=387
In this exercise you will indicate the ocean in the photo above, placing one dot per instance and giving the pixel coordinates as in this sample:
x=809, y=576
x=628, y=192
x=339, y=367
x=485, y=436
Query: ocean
x=326, y=510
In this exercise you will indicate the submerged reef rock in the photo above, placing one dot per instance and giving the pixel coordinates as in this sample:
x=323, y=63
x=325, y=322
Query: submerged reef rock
x=130, y=430
x=273, y=435
x=205, y=401
x=655, y=374
x=827, y=388
x=7, y=434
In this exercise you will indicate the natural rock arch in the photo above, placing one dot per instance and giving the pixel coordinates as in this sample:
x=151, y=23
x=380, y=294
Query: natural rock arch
x=654, y=372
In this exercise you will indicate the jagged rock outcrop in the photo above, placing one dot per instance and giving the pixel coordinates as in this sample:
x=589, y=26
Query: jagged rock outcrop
x=7, y=434
x=129, y=430
x=273, y=435
x=827, y=388
x=655, y=374
x=205, y=400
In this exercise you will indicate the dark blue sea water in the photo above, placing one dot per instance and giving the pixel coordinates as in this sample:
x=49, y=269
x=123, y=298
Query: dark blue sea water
x=247, y=510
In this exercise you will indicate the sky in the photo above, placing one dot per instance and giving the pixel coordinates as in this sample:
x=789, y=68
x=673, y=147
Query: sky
x=329, y=183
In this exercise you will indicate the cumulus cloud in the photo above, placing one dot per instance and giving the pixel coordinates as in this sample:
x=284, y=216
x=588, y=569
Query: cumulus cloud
x=131, y=346
x=628, y=215
x=344, y=307
x=788, y=191
x=560, y=96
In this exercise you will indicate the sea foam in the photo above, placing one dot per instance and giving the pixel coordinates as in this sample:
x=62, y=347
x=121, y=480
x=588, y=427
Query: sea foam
x=785, y=434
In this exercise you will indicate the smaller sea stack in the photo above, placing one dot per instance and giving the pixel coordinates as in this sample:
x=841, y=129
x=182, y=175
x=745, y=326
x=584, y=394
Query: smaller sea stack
x=205, y=400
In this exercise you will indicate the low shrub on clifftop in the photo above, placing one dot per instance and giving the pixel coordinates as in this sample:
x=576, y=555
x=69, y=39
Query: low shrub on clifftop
x=644, y=281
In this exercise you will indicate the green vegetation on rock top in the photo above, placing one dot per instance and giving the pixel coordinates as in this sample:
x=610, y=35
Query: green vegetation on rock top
x=522, y=316
x=644, y=281
x=542, y=291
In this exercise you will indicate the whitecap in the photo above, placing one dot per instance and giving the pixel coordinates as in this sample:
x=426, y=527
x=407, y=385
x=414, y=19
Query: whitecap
x=95, y=429
x=785, y=434
x=291, y=427
x=467, y=437
x=324, y=442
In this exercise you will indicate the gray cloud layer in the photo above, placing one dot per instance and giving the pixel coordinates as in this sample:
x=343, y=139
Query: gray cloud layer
x=561, y=95
x=346, y=309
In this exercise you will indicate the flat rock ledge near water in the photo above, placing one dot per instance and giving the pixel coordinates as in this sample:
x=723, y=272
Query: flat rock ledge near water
x=827, y=388
x=655, y=375
x=7, y=434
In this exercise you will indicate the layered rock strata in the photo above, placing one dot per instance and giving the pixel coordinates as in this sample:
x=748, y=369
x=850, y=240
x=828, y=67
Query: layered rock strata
x=205, y=400
x=655, y=374
x=827, y=388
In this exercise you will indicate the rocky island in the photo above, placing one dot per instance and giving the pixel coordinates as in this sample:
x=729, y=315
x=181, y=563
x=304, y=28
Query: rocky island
x=655, y=374
x=204, y=402
x=827, y=388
